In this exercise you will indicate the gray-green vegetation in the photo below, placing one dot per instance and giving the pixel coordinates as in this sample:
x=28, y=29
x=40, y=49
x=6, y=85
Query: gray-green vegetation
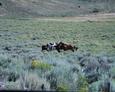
x=24, y=67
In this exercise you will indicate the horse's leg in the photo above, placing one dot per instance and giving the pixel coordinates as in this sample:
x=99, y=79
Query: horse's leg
x=53, y=48
x=75, y=48
x=64, y=48
x=42, y=49
x=48, y=49
x=58, y=50
x=72, y=49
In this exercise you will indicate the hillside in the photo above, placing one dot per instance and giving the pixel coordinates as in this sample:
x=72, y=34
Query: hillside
x=51, y=8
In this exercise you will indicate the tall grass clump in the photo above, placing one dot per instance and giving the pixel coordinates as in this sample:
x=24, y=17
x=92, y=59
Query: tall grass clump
x=4, y=61
x=82, y=84
x=62, y=87
x=8, y=70
x=62, y=79
x=94, y=87
x=29, y=81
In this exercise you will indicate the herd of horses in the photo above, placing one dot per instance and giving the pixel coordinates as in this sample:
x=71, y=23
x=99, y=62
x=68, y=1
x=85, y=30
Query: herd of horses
x=58, y=46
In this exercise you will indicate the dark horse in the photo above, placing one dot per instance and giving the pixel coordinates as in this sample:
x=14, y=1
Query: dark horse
x=63, y=46
x=44, y=47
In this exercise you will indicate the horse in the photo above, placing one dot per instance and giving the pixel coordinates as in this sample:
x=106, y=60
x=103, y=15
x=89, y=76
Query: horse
x=52, y=46
x=63, y=46
x=49, y=46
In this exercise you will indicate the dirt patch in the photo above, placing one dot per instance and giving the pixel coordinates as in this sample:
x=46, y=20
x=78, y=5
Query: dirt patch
x=90, y=17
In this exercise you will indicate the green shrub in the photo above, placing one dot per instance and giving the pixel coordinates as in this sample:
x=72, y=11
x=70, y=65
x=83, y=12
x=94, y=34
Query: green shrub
x=82, y=84
x=62, y=87
x=40, y=65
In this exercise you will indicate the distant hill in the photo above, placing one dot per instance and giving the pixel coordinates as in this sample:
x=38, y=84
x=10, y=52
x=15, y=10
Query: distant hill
x=51, y=8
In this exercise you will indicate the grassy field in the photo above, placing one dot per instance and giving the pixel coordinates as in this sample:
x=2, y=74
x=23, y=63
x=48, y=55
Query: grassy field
x=88, y=36
x=20, y=50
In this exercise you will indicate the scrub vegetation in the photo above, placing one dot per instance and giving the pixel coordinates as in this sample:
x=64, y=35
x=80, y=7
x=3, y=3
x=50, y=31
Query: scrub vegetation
x=23, y=66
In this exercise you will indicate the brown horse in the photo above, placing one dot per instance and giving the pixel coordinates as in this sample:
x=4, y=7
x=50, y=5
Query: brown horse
x=63, y=46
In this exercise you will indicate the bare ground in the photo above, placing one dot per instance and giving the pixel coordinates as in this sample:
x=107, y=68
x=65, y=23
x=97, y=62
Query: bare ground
x=90, y=17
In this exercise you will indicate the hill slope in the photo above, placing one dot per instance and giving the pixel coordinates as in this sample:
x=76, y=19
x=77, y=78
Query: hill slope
x=35, y=8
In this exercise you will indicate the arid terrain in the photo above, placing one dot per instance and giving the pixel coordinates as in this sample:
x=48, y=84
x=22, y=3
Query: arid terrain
x=26, y=25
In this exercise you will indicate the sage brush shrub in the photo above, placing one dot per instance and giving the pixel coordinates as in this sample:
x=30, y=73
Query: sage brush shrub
x=65, y=75
x=82, y=84
x=4, y=61
x=62, y=87
x=33, y=82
